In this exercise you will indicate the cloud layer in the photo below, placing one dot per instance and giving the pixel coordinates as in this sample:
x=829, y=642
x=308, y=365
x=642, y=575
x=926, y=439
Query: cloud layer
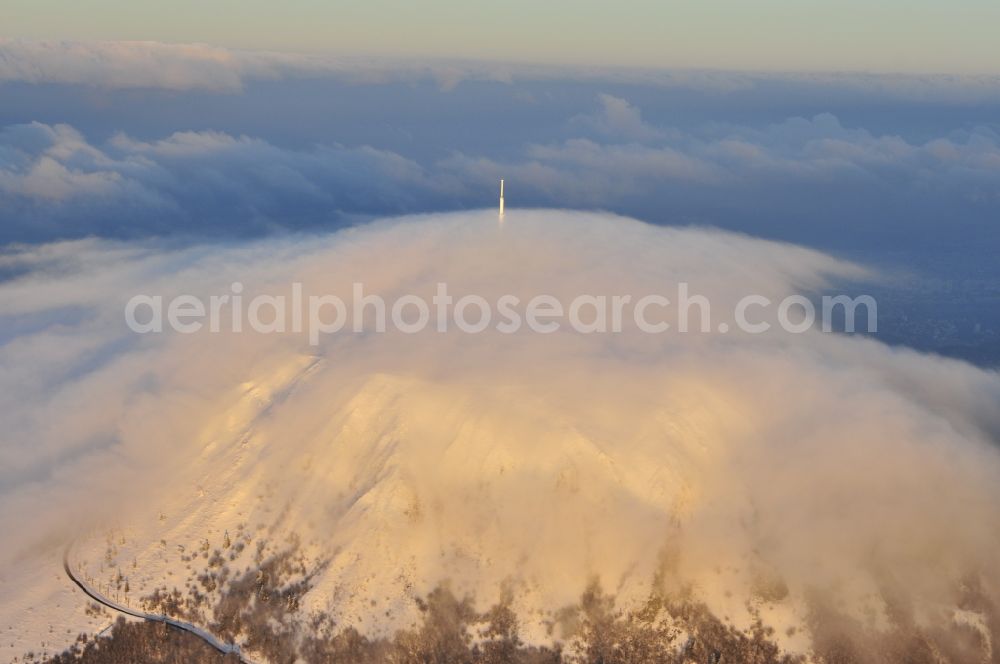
x=836, y=464
x=55, y=183
x=195, y=66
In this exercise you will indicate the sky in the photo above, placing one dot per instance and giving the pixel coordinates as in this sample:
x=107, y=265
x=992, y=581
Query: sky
x=776, y=35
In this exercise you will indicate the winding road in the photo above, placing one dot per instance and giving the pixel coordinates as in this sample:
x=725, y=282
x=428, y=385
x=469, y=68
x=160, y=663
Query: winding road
x=204, y=635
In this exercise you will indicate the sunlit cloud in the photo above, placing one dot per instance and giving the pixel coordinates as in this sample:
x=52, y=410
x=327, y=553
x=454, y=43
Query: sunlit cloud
x=542, y=459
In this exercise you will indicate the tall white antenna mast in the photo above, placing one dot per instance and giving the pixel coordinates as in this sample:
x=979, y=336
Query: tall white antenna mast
x=501, y=199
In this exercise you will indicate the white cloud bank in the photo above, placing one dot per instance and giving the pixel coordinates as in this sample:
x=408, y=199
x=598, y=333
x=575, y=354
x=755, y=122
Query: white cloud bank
x=56, y=183
x=121, y=64
x=195, y=66
x=146, y=64
x=838, y=464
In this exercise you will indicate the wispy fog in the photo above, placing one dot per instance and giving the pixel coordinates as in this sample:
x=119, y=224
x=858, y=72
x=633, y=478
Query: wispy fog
x=837, y=465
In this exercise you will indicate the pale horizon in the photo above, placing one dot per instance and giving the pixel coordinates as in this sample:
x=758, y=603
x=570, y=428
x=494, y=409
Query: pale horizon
x=773, y=37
